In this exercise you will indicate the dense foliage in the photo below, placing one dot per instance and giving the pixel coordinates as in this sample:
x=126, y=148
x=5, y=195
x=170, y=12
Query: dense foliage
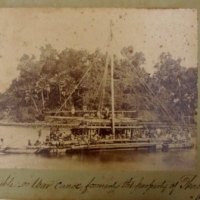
x=56, y=80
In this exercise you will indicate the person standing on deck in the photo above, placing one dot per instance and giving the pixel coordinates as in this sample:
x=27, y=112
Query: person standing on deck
x=73, y=111
x=85, y=114
x=158, y=132
x=107, y=113
x=98, y=114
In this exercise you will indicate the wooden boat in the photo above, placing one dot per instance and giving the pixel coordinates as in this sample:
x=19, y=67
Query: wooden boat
x=114, y=146
x=22, y=150
x=179, y=144
x=110, y=132
x=52, y=150
x=53, y=147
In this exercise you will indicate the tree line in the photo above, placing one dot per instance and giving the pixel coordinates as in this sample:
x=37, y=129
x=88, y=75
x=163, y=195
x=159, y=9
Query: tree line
x=54, y=80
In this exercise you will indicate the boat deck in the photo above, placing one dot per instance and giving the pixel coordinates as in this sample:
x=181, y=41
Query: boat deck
x=114, y=146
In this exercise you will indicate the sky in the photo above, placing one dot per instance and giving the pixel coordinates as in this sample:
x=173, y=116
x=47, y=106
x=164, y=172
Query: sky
x=151, y=31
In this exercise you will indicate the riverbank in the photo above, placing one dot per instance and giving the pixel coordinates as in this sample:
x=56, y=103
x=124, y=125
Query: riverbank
x=73, y=123
x=36, y=124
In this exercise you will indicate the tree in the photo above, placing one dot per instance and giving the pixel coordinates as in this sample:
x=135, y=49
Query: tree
x=74, y=78
x=175, y=86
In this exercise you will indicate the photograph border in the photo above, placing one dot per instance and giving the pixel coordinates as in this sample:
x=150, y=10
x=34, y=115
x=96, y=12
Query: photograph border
x=173, y=184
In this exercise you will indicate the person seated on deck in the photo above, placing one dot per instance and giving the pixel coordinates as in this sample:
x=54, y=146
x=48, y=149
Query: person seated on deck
x=150, y=133
x=107, y=113
x=72, y=137
x=64, y=136
x=174, y=139
x=39, y=133
x=95, y=138
x=182, y=138
x=98, y=114
x=92, y=115
x=60, y=142
x=128, y=134
x=51, y=130
x=85, y=139
x=168, y=130
x=85, y=114
x=52, y=136
x=37, y=143
x=168, y=137
x=123, y=135
x=60, y=135
x=153, y=132
x=73, y=111
x=57, y=131
x=47, y=138
x=178, y=136
x=158, y=131
x=78, y=140
x=110, y=136
x=189, y=135
x=118, y=136
x=143, y=135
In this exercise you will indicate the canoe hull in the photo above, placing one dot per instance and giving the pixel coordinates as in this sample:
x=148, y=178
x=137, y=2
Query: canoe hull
x=21, y=150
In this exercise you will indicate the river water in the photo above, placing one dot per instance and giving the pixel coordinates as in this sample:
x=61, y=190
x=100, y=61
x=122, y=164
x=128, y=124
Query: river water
x=144, y=160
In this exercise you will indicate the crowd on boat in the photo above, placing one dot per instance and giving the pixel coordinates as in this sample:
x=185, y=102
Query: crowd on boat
x=63, y=139
x=80, y=136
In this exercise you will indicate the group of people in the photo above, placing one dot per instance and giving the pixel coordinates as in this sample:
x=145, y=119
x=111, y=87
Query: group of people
x=37, y=143
x=61, y=137
x=81, y=136
x=103, y=114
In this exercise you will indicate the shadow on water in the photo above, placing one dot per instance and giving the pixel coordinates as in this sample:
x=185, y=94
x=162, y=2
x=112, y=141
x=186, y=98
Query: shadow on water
x=103, y=160
x=102, y=156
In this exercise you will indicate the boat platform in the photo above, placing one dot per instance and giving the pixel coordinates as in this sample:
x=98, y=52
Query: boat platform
x=113, y=146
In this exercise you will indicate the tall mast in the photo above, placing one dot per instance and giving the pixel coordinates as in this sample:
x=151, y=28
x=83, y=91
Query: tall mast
x=112, y=81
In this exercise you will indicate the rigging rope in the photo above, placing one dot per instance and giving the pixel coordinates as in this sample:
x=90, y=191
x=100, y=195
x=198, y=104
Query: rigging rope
x=146, y=85
x=102, y=87
x=151, y=92
x=63, y=103
x=47, y=124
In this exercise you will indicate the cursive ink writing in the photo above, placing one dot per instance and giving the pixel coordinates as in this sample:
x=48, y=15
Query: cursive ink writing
x=40, y=184
x=61, y=185
x=187, y=182
x=110, y=186
x=9, y=182
x=95, y=185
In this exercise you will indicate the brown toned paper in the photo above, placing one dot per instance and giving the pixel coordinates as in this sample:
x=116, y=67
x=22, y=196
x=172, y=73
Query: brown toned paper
x=98, y=100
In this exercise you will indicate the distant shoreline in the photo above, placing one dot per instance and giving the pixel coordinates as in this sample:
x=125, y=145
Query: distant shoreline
x=46, y=124
x=25, y=124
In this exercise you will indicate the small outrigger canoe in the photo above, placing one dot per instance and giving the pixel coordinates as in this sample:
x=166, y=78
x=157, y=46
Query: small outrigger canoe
x=53, y=150
x=22, y=150
x=180, y=144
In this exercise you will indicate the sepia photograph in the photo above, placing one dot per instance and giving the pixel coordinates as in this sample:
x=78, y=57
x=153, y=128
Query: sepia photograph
x=98, y=89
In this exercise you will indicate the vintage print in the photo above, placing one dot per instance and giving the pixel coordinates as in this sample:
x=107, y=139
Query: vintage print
x=98, y=89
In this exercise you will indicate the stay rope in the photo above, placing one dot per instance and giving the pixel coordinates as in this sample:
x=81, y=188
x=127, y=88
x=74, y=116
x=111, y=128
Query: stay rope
x=75, y=88
x=150, y=91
